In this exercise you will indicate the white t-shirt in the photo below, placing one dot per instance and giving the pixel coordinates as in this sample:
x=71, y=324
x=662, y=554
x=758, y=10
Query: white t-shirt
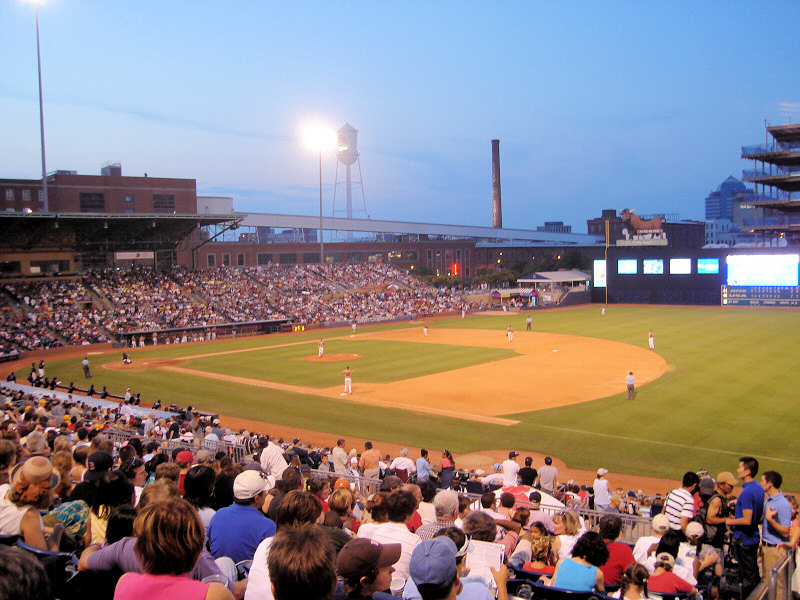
x=601, y=494
x=510, y=470
x=259, y=586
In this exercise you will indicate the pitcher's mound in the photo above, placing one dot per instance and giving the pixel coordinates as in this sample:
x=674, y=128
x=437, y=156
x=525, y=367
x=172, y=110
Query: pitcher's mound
x=332, y=357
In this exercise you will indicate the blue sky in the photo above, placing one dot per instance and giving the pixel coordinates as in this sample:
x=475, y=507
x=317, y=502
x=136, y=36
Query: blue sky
x=596, y=104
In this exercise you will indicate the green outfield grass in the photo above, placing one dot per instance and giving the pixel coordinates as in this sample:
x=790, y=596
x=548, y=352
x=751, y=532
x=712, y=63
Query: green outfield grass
x=731, y=389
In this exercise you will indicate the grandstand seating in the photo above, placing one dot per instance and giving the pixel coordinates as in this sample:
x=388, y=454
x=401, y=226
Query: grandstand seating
x=101, y=306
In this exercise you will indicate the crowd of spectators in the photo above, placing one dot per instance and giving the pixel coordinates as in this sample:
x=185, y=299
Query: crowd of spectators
x=65, y=306
x=64, y=483
x=114, y=302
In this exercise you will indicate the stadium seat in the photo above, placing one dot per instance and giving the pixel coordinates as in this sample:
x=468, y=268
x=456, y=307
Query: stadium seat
x=544, y=592
x=474, y=487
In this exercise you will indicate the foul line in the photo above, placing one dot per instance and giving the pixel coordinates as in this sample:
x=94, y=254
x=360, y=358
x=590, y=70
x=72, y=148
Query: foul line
x=659, y=443
x=361, y=400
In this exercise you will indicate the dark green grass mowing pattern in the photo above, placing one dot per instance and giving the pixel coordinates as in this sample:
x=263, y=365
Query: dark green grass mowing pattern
x=732, y=389
x=380, y=361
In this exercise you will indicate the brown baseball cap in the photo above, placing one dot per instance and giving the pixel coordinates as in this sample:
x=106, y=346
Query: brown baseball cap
x=362, y=556
x=727, y=477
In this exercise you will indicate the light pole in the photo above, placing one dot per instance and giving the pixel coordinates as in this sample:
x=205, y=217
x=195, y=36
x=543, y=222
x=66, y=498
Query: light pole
x=318, y=137
x=41, y=111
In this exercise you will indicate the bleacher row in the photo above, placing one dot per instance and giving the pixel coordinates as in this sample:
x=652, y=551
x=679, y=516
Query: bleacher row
x=100, y=306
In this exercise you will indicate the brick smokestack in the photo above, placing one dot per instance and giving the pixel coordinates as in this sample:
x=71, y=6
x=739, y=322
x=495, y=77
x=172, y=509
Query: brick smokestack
x=497, y=209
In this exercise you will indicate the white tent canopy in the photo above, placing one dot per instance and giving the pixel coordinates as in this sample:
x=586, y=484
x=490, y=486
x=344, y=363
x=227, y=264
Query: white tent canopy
x=572, y=277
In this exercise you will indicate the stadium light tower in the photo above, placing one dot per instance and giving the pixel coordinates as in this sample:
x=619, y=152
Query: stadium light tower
x=318, y=137
x=41, y=110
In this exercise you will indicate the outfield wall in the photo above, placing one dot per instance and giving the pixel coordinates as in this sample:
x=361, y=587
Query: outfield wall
x=651, y=276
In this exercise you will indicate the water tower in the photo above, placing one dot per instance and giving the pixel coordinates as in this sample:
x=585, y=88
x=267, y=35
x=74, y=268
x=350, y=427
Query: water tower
x=347, y=153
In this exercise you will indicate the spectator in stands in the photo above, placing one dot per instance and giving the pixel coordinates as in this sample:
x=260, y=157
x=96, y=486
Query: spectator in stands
x=671, y=543
x=400, y=510
x=436, y=568
x=445, y=505
x=340, y=458
x=602, y=495
x=368, y=463
x=134, y=470
x=718, y=510
x=290, y=480
x=619, y=554
x=365, y=567
x=581, y=572
x=199, y=487
x=776, y=526
x=341, y=502
x=547, y=480
x=566, y=527
x=527, y=474
x=537, y=514
x=634, y=583
x=113, y=490
x=297, y=508
x=423, y=466
x=271, y=458
x=121, y=555
x=376, y=509
x=169, y=540
x=21, y=500
x=539, y=561
x=647, y=544
x=302, y=564
x=22, y=576
x=168, y=470
x=679, y=505
x=403, y=466
x=747, y=517
x=664, y=580
x=237, y=530
x=480, y=526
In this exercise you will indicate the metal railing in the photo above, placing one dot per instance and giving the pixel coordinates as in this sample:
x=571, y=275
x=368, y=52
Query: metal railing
x=237, y=452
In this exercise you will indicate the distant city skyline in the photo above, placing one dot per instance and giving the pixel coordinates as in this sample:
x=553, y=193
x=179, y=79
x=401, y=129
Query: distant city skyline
x=626, y=104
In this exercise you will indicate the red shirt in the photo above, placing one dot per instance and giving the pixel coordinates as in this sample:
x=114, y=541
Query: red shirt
x=415, y=522
x=619, y=557
x=668, y=583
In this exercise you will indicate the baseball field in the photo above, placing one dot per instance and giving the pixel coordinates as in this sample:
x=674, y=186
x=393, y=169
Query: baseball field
x=721, y=383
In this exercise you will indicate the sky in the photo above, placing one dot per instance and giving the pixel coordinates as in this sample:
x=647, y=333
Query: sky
x=597, y=105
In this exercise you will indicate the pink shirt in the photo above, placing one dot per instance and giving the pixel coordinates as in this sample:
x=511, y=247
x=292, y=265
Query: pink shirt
x=135, y=586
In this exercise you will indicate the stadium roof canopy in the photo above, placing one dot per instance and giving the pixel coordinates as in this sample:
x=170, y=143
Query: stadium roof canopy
x=555, y=277
x=431, y=230
x=94, y=232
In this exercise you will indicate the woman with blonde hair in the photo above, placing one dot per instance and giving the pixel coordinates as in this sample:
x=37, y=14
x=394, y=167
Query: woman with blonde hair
x=567, y=528
x=169, y=540
x=340, y=502
x=62, y=464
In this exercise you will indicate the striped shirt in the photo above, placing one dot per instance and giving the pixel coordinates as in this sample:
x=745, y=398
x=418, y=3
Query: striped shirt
x=679, y=503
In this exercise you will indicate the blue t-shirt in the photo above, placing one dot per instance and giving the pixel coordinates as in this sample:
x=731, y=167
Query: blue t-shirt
x=575, y=577
x=751, y=498
x=237, y=530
